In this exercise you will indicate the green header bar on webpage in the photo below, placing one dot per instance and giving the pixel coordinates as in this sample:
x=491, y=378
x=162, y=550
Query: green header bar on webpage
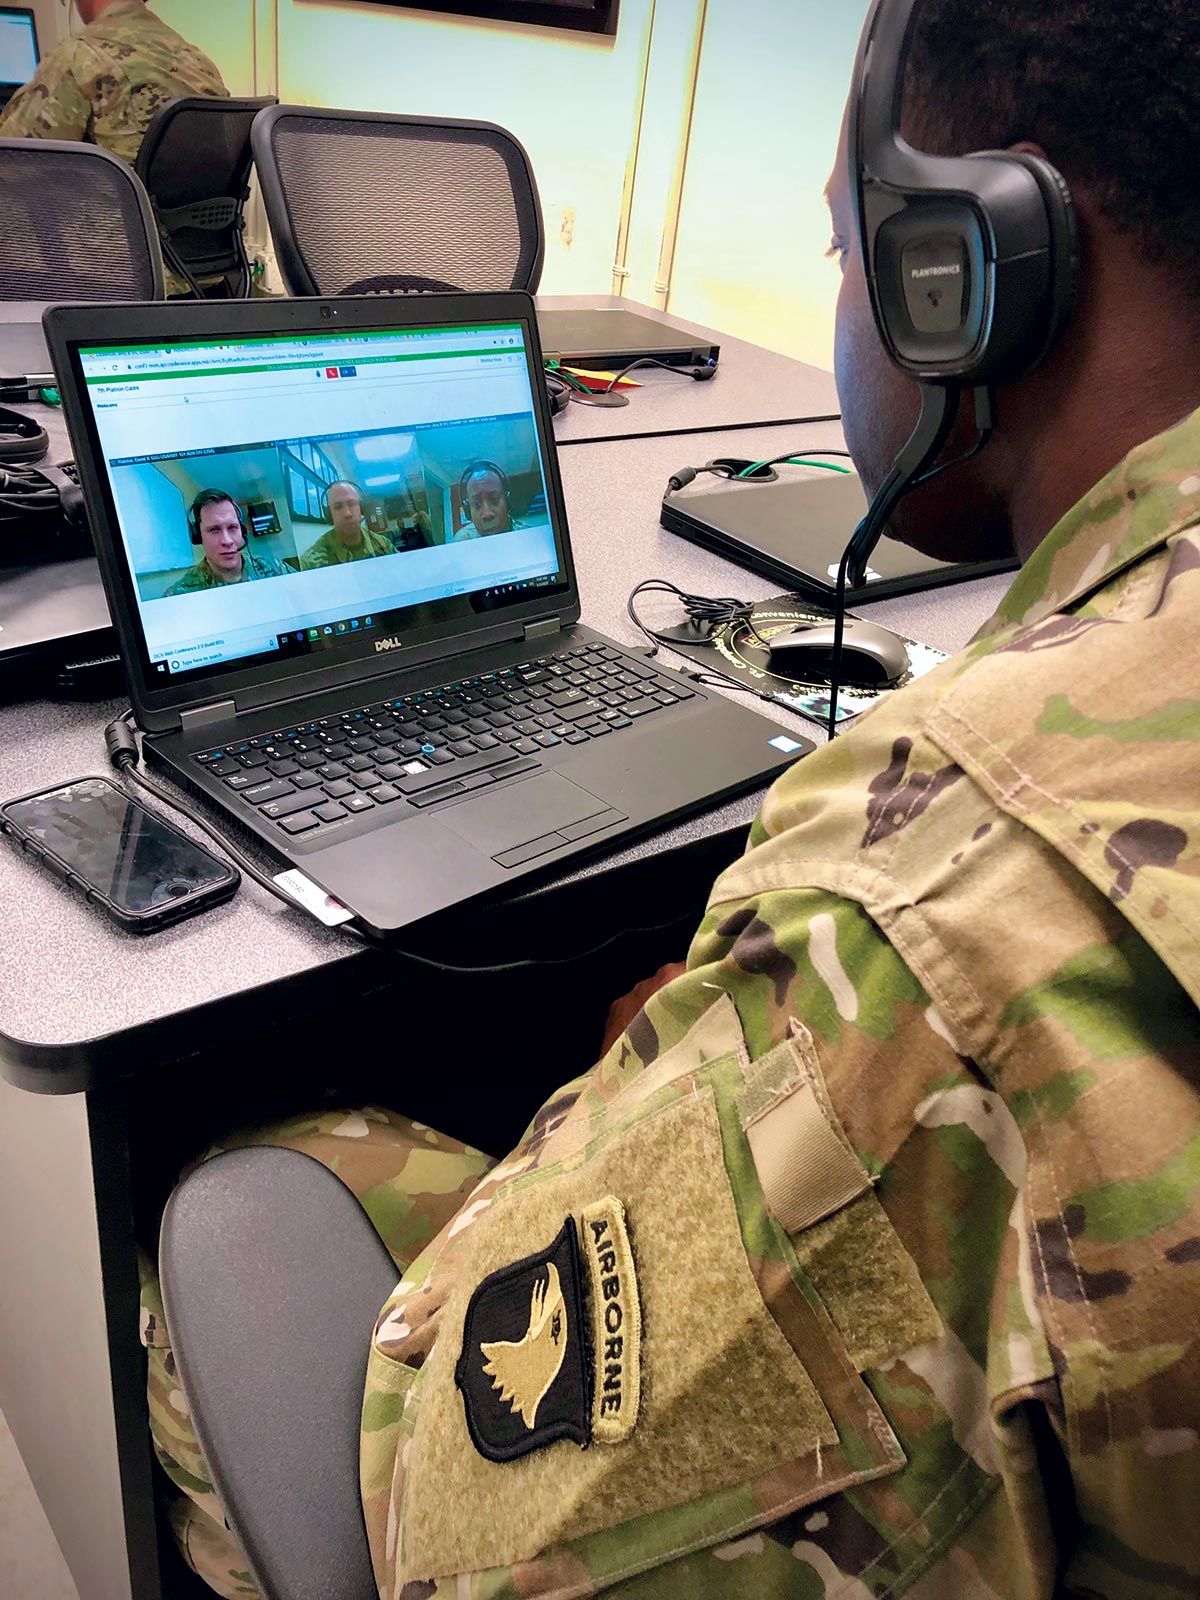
x=284, y=338
x=312, y=364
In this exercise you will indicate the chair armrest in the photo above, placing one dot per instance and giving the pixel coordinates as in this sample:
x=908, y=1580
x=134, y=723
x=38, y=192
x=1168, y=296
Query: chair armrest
x=272, y=1278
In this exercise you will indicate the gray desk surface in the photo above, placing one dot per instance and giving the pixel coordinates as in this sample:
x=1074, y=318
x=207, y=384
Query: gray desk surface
x=68, y=978
x=753, y=388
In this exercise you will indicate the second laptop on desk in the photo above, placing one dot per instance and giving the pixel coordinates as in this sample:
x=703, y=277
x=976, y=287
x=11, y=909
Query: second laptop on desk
x=334, y=544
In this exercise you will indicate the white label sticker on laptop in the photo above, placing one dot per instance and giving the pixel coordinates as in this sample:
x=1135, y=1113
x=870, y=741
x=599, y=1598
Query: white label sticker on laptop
x=313, y=898
x=782, y=742
x=834, y=568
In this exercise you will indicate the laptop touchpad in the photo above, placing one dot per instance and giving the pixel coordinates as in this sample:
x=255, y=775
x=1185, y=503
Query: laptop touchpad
x=502, y=821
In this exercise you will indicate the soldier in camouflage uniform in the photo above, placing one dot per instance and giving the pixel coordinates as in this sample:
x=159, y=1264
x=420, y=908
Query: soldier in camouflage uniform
x=104, y=84
x=349, y=539
x=866, y=1262
x=220, y=530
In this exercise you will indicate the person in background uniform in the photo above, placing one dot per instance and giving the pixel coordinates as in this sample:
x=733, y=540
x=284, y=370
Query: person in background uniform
x=103, y=85
x=216, y=525
x=866, y=1261
x=484, y=495
x=349, y=539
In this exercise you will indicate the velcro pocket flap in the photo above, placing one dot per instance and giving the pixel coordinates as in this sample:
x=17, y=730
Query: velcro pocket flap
x=819, y=1191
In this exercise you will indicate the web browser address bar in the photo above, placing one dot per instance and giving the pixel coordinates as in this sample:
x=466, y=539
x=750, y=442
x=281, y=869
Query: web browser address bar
x=300, y=356
x=153, y=397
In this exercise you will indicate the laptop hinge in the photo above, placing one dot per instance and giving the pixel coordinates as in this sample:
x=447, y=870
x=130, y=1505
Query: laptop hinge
x=542, y=628
x=201, y=716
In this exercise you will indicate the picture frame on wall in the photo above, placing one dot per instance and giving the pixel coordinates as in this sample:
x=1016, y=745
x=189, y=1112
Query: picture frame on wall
x=584, y=16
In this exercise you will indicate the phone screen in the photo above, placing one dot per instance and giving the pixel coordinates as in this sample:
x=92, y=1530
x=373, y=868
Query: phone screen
x=116, y=846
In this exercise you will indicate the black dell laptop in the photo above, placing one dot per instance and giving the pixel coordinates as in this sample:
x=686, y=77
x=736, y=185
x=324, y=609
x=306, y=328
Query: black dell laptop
x=333, y=540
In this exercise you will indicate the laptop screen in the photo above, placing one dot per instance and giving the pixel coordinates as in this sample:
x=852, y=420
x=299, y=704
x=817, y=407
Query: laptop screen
x=18, y=45
x=285, y=495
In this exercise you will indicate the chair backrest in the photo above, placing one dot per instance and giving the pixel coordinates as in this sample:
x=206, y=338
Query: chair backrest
x=75, y=224
x=272, y=1278
x=361, y=202
x=195, y=161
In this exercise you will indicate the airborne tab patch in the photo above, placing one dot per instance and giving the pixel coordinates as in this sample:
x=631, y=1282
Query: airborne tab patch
x=523, y=1371
x=616, y=1321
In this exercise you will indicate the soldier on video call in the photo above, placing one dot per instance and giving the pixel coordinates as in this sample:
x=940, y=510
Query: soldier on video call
x=484, y=495
x=104, y=84
x=865, y=1262
x=349, y=539
x=217, y=526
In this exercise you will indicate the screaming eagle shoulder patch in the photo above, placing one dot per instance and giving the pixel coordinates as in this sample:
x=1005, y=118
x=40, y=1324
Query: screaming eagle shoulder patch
x=523, y=1371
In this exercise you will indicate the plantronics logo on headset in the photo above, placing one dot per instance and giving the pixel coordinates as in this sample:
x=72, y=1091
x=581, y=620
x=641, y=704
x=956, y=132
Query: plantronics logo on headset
x=393, y=643
x=954, y=271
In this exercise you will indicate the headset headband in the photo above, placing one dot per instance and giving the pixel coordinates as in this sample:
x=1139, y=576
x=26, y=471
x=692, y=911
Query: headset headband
x=350, y=484
x=210, y=497
x=480, y=469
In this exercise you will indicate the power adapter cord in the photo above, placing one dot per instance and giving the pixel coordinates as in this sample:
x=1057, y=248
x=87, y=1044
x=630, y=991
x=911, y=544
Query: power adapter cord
x=730, y=471
x=701, y=374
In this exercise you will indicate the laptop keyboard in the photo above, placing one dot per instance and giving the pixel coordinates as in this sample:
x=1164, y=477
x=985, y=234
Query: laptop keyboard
x=448, y=741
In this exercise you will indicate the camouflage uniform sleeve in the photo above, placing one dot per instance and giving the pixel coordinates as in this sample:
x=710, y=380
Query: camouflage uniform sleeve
x=317, y=555
x=194, y=578
x=266, y=567
x=909, y=1274
x=53, y=104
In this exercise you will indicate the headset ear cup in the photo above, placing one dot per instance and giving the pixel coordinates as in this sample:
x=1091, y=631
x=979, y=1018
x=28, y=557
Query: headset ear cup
x=22, y=438
x=558, y=394
x=1064, y=235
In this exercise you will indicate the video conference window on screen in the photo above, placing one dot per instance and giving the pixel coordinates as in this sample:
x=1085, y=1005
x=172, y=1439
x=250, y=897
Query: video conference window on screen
x=402, y=474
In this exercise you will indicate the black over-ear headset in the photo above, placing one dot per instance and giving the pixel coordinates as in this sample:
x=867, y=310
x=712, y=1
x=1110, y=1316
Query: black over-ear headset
x=328, y=486
x=22, y=438
x=971, y=263
x=211, y=497
x=476, y=469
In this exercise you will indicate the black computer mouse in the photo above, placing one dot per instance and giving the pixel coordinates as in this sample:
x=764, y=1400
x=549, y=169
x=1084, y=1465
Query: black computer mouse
x=871, y=656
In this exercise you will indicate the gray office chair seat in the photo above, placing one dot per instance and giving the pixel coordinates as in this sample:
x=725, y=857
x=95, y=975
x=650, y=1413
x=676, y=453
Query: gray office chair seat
x=272, y=1277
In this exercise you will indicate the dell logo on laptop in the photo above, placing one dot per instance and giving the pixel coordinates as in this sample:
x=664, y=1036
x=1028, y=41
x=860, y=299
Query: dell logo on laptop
x=388, y=644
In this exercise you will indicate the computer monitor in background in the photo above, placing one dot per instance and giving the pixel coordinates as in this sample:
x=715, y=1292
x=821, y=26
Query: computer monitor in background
x=18, y=49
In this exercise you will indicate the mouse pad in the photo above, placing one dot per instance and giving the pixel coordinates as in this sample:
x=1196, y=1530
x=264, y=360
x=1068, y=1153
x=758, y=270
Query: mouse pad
x=734, y=653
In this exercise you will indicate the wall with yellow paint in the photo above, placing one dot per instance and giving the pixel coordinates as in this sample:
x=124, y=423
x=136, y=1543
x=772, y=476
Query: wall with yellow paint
x=570, y=98
x=754, y=226
x=758, y=134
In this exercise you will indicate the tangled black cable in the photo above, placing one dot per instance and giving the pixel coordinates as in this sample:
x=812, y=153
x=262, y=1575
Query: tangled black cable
x=25, y=492
x=712, y=612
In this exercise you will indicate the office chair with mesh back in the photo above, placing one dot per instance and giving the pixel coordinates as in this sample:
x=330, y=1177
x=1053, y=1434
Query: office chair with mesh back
x=195, y=162
x=75, y=224
x=364, y=203
x=272, y=1278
